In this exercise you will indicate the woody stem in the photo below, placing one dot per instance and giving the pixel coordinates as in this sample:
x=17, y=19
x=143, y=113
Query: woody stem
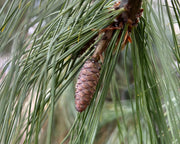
x=132, y=7
x=102, y=44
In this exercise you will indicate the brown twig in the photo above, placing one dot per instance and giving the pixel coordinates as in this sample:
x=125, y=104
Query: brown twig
x=102, y=45
x=133, y=7
x=129, y=16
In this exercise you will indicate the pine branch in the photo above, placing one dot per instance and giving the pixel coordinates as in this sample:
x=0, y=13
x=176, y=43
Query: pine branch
x=46, y=63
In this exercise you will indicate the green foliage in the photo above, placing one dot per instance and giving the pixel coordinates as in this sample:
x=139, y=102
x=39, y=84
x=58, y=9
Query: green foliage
x=39, y=78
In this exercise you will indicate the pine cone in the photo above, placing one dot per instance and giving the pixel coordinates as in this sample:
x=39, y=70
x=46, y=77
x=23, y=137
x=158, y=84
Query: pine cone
x=86, y=84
